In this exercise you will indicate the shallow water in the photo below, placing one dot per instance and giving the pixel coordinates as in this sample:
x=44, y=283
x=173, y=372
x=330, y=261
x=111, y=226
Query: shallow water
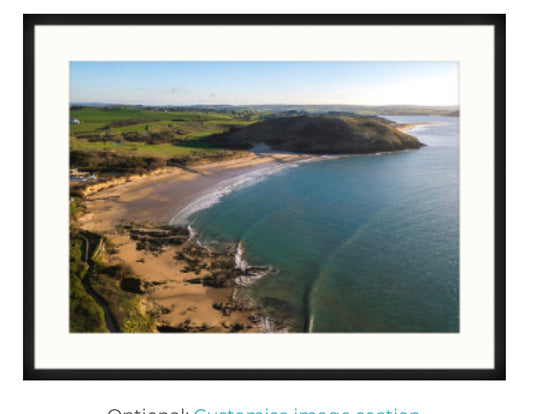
x=361, y=243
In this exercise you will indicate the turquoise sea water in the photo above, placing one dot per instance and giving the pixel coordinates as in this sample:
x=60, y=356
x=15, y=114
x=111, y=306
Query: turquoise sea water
x=360, y=243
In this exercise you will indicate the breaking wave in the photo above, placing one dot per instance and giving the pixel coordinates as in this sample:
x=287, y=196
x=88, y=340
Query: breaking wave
x=214, y=194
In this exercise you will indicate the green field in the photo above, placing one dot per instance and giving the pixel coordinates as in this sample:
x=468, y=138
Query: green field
x=126, y=140
x=111, y=121
x=139, y=149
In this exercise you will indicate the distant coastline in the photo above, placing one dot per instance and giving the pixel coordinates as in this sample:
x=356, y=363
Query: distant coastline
x=379, y=110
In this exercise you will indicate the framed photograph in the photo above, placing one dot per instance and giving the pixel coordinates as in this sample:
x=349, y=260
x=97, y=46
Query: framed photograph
x=275, y=197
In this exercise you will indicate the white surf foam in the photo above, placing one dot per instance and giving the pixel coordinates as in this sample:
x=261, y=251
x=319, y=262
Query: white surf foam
x=192, y=232
x=214, y=194
x=240, y=263
x=252, y=275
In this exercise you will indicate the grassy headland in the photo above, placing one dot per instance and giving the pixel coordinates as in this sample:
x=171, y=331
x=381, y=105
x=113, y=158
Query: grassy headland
x=320, y=134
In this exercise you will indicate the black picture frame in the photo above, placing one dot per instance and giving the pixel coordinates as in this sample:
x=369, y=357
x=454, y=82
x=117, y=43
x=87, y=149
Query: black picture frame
x=29, y=370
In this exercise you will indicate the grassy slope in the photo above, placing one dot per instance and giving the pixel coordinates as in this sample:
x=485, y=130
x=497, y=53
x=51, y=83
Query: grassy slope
x=101, y=121
x=92, y=278
x=107, y=129
x=85, y=313
x=95, y=278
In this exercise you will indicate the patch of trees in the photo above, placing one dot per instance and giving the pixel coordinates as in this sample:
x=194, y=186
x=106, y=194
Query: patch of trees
x=186, y=159
x=125, y=122
x=102, y=138
x=152, y=138
x=160, y=138
x=135, y=136
x=110, y=162
x=113, y=163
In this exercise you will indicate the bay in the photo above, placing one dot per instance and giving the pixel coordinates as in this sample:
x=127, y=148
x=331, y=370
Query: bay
x=359, y=243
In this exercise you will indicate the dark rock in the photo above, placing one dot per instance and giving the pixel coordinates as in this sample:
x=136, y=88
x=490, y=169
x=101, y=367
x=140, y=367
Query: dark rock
x=133, y=285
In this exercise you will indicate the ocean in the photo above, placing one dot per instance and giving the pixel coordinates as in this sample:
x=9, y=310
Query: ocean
x=366, y=243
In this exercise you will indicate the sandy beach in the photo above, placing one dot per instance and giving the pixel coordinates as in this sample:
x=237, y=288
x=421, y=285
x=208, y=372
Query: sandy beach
x=155, y=199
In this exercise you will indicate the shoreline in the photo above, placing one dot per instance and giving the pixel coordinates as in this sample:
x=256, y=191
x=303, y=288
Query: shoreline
x=156, y=197
x=410, y=126
x=175, y=294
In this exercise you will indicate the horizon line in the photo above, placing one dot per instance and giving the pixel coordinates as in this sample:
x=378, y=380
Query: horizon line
x=260, y=104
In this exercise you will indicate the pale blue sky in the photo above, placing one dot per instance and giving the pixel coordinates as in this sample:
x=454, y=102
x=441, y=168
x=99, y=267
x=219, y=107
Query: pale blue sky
x=235, y=83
